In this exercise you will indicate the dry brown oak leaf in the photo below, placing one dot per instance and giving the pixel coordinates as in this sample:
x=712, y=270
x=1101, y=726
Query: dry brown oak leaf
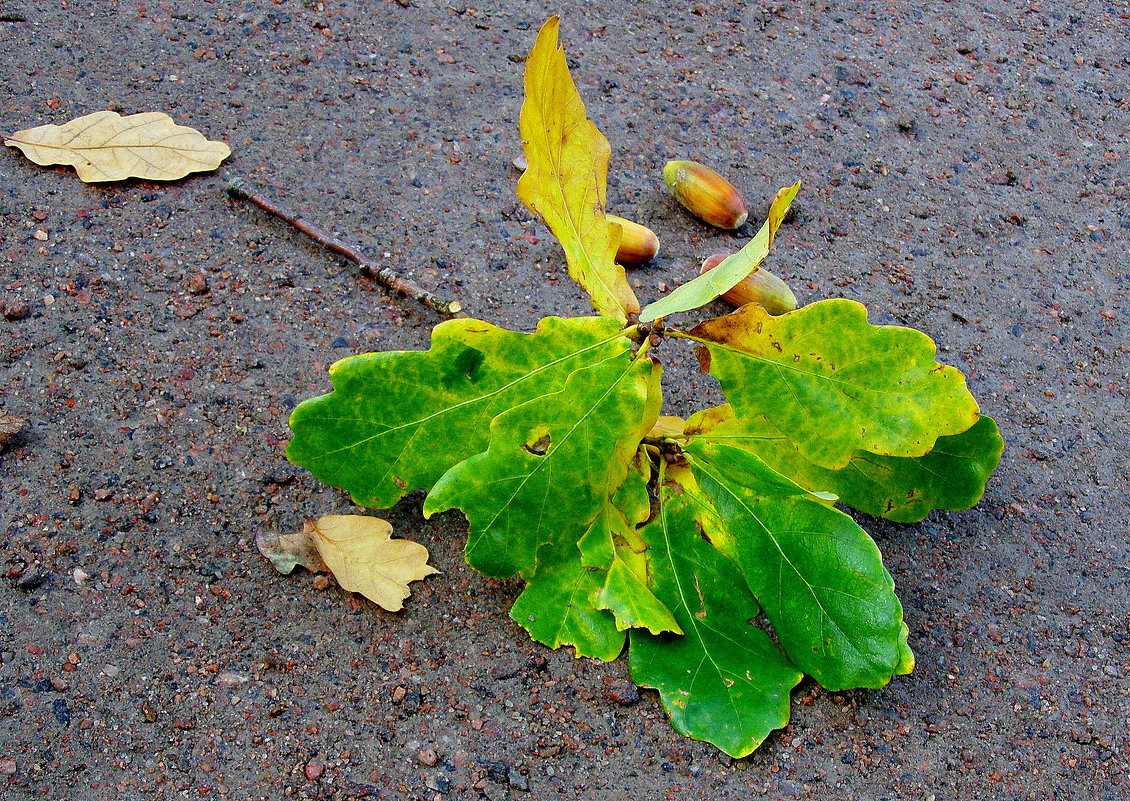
x=106, y=146
x=358, y=550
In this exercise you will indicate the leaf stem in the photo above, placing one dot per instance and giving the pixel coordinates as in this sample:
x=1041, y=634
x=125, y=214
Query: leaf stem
x=675, y=332
x=642, y=350
x=665, y=440
x=239, y=188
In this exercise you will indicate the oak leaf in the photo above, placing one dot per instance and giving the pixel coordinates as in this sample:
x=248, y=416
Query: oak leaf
x=904, y=489
x=397, y=421
x=564, y=182
x=834, y=383
x=106, y=146
x=358, y=550
x=725, y=681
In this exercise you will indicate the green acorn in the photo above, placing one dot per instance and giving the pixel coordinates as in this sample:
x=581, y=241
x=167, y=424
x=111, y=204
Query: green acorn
x=705, y=194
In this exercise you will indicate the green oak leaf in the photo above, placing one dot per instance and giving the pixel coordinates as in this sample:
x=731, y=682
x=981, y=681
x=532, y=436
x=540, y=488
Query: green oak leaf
x=818, y=575
x=551, y=464
x=900, y=488
x=627, y=508
x=396, y=421
x=626, y=594
x=833, y=383
x=557, y=606
x=723, y=681
x=612, y=544
x=700, y=291
x=905, y=664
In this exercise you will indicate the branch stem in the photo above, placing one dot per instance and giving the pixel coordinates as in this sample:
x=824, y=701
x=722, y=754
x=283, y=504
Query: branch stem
x=239, y=188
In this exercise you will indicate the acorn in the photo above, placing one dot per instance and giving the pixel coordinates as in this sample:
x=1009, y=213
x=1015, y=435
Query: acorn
x=761, y=287
x=638, y=243
x=705, y=194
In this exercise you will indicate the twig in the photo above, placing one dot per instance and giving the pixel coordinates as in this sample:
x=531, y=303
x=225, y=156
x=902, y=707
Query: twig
x=239, y=188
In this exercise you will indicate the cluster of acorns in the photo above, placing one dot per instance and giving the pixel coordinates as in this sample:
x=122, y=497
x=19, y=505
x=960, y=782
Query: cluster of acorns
x=714, y=200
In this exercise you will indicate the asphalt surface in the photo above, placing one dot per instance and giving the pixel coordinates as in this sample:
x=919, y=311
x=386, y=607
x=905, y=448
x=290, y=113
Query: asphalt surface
x=964, y=172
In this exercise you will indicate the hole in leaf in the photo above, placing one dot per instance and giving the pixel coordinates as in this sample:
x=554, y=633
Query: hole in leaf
x=539, y=446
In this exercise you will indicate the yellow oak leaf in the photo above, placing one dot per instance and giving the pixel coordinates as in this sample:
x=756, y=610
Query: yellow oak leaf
x=564, y=182
x=358, y=550
x=106, y=146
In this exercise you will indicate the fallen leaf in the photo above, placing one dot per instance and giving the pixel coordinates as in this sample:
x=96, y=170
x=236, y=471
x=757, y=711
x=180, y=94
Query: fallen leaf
x=287, y=551
x=106, y=146
x=358, y=550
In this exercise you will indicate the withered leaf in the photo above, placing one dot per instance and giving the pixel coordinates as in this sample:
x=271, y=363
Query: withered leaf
x=358, y=550
x=106, y=146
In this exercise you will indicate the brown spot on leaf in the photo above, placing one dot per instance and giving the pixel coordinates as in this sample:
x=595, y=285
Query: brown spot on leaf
x=703, y=358
x=701, y=613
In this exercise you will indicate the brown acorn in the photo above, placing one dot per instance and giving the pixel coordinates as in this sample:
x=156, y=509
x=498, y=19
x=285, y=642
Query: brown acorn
x=705, y=194
x=638, y=243
x=761, y=287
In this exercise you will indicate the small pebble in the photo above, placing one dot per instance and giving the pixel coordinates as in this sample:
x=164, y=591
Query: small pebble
x=232, y=679
x=80, y=575
x=517, y=780
x=14, y=310
x=624, y=693
x=321, y=582
x=314, y=770
x=40, y=235
x=427, y=756
x=197, y=283
x=30, y=579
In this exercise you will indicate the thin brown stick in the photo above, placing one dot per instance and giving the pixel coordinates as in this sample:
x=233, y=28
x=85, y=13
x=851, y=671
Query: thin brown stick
x=239, y=188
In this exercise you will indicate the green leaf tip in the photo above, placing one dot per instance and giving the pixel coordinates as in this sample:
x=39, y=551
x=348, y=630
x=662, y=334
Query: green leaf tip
x=557, y=607
x=700, y=291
